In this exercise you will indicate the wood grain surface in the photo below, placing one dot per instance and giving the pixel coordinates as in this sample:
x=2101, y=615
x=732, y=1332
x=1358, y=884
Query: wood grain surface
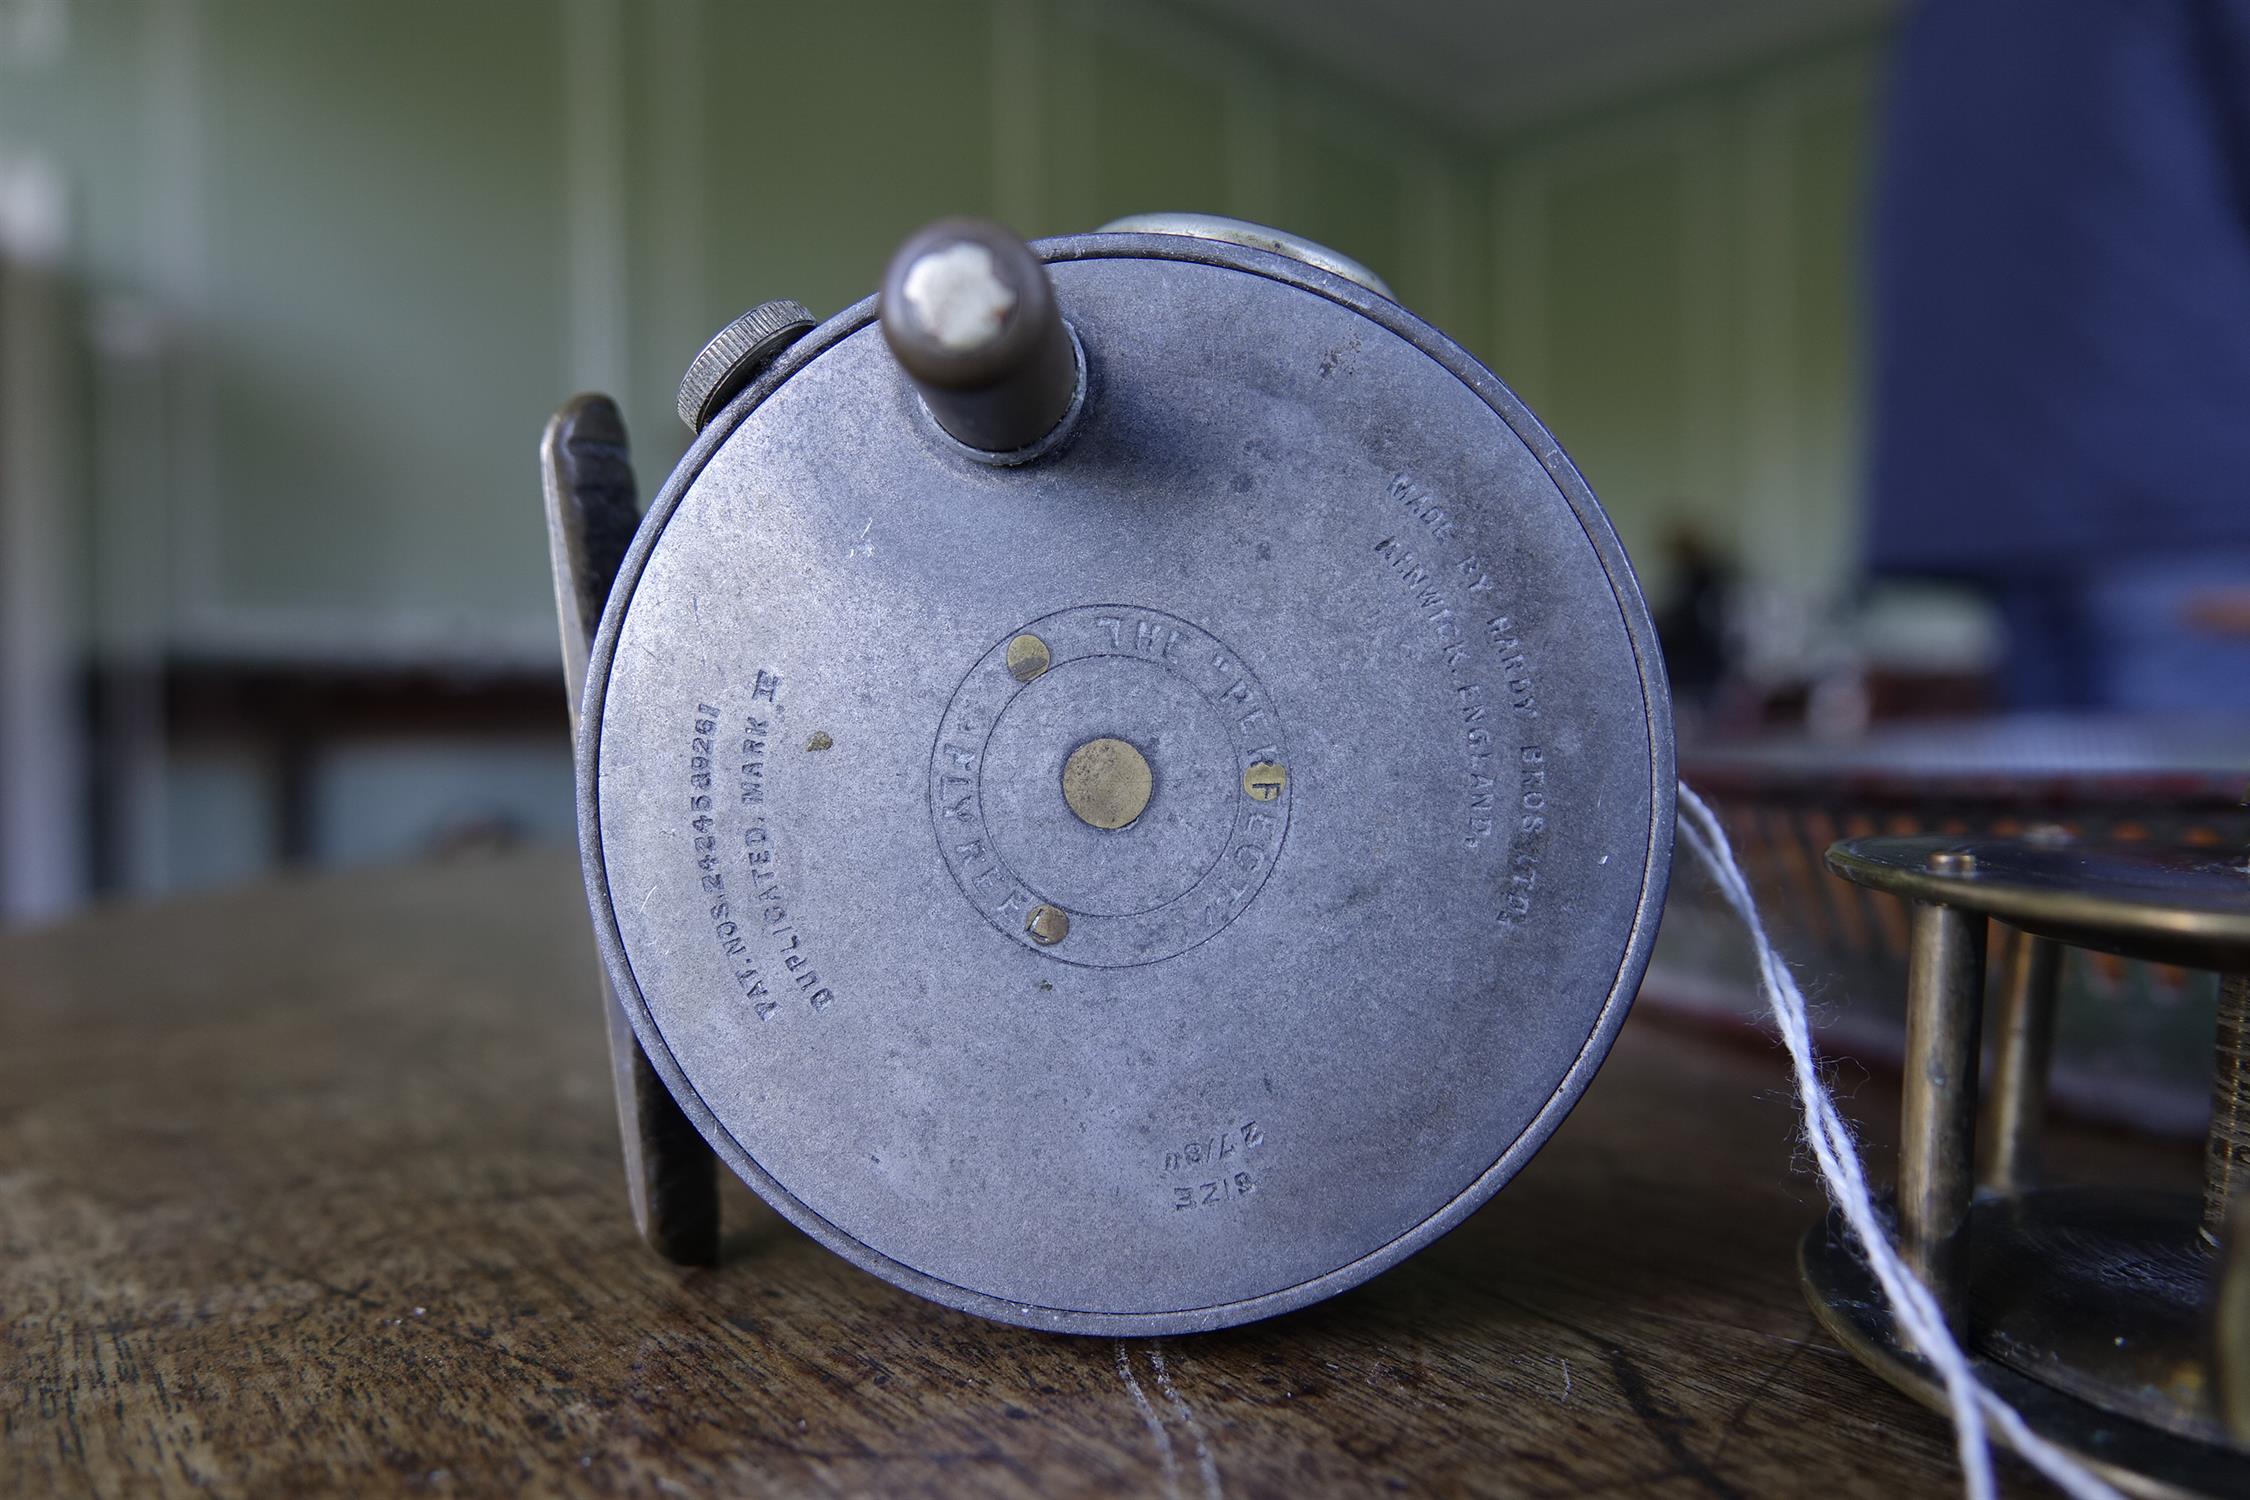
x=314, y=1189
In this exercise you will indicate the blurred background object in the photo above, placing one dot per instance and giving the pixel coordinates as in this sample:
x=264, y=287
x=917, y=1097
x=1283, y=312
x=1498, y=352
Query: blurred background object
x=2132, y=1040
x=2062, y=352
x=2060, y=306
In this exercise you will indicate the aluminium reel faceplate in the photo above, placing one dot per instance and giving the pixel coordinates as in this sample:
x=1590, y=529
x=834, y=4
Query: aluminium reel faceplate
x=1152, y=886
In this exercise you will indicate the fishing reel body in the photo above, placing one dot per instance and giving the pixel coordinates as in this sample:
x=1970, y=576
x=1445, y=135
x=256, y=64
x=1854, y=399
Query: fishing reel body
x=1125, y=784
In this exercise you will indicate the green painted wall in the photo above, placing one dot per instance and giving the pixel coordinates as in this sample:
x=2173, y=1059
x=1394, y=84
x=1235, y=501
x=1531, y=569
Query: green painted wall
x=1677, y=285
x=385, y=238
x=383, y=284
x=382, y=240
x=340, y=257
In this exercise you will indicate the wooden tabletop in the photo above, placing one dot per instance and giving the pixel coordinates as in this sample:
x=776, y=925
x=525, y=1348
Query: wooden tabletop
x=313, y=1189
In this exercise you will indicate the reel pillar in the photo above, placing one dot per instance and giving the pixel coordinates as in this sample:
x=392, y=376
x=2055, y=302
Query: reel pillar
x=2117, y=1321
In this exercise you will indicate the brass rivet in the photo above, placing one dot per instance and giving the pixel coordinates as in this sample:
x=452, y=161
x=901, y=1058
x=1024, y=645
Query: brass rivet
x=1951, y=862
x=1265, y=781
x=1028, y=656
x=1107, y=782
x=1048, y=925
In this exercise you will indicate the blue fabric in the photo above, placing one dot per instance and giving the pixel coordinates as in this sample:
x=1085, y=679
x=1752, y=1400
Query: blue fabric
x=2061, y=289
x=2121, y=639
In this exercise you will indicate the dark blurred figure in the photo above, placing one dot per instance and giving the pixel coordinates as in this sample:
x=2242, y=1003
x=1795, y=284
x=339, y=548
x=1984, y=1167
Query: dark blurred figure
x=1691, y=623
x=2062, y=338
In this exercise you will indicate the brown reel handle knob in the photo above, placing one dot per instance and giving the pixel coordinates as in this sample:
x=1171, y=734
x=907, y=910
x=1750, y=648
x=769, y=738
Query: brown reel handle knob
x=971, y=317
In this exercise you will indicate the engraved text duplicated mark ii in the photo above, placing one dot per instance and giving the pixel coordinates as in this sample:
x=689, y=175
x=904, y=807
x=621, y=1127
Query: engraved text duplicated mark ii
x=703, y=840
x=749, y=919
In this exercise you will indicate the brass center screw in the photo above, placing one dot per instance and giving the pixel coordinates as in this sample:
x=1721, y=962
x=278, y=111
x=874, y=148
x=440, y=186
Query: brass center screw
x=1107, y=783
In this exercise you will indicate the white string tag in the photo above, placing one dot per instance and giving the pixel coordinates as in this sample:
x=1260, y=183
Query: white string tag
x=1919, y=1319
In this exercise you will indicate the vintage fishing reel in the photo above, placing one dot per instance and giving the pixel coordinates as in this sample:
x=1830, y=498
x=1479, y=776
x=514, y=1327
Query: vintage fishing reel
x=2115, y=1320
x=1125, y=784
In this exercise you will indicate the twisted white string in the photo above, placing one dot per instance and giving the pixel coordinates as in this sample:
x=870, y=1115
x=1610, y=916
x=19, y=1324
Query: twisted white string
x=1919, y=1318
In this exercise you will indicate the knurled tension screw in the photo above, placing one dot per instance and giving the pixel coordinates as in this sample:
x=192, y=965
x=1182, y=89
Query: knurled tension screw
x=971, y=317
x=737, y=353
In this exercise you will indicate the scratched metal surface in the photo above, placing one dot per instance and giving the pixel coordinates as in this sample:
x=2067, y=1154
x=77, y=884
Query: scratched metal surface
x=313, y=1189
x=1285, y=1043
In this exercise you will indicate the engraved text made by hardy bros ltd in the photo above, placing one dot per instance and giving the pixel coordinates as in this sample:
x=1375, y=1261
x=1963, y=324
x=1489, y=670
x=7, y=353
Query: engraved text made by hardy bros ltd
x=1490, y=673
